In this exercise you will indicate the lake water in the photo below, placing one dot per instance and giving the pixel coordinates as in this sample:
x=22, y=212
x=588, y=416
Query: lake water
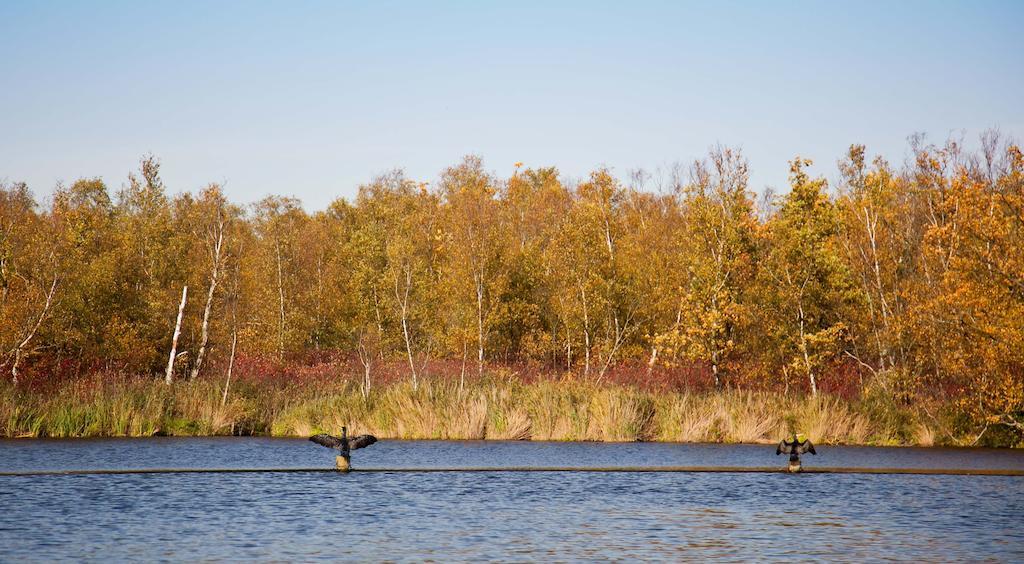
x=499, y=515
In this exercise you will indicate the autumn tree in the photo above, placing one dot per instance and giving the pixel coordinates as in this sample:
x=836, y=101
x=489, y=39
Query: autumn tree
x=716, y=252
x=276, y=272
x=595, y=296
x=534, y=202
x=102, y=298
x=211, y=222
x=910, y=274
x=806, y=284
x=395, y=260
x=882, y=234
x=30, y=272
x=474, y=240
x=150, y=262
x=976, y=242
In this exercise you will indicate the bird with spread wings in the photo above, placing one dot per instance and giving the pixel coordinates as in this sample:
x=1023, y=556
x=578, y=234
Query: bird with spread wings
x=799, y=445
x=343, y=444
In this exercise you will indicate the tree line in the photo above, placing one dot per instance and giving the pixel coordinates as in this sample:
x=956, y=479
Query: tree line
x=913, y=274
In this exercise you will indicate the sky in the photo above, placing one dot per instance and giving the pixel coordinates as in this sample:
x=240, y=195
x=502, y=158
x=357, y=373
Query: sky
x=312, y=99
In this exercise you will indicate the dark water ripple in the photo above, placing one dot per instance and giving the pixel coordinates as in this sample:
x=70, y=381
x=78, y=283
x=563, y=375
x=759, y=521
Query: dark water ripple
x=498, y=516
x=230, y=452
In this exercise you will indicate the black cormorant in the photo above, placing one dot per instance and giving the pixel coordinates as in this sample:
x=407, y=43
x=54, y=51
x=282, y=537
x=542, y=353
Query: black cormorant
x=794, y=449
x=343, y=443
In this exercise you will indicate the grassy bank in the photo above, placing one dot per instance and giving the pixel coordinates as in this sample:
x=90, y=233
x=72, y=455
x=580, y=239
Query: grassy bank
x=568, y=410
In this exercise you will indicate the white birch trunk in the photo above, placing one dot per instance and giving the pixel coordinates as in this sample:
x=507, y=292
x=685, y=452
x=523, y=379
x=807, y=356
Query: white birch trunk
x=480, y=323
x=20, y=348
x=807, y=359
x=652, y=360
x=280, y=295
x=404, y=303
x=231, y=365
x=214, y=279
x=169, y=377
x=366, y=359
x=620, y=337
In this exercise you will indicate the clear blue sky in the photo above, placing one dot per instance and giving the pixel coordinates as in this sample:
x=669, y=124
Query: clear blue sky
x=312, y=99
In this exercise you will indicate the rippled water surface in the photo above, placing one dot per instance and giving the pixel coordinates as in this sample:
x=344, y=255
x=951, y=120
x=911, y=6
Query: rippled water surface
x=495, y=515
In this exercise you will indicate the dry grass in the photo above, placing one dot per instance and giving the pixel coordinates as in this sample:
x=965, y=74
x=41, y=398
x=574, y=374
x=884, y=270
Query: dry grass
x=619, y=415
x=924, y=435
x=557, y=412
x=686, y=418
x=505, y=416
x=750, y=418
x=547, y=409
x=829, y=421
x=116, y=408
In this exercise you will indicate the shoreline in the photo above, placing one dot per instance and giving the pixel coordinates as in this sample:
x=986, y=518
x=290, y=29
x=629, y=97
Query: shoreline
x=965, y=448
x=552, y=410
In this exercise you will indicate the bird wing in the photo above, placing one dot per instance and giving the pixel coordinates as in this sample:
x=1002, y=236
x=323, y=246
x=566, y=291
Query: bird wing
x=784, y=448
x=323, y=439
x=361, y=441
x=805, y=446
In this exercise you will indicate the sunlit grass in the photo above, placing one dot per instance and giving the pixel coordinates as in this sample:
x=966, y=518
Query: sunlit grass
x=488, y=408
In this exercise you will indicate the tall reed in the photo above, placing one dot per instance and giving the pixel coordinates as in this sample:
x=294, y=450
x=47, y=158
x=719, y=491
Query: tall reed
x=487, y=408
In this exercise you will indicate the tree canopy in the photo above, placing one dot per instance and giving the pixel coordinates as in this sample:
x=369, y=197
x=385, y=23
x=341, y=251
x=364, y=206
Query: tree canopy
x=912, y=277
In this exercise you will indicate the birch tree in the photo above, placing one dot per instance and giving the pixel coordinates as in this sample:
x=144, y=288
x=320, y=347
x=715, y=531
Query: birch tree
x=397, y=262
x=808, y=282
x=529, y=320
x=277, y=271
x=213, y=227
x=717, y=254
x=474, y=243
x=149, y=266
x=31, y=269
x=881, y=236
